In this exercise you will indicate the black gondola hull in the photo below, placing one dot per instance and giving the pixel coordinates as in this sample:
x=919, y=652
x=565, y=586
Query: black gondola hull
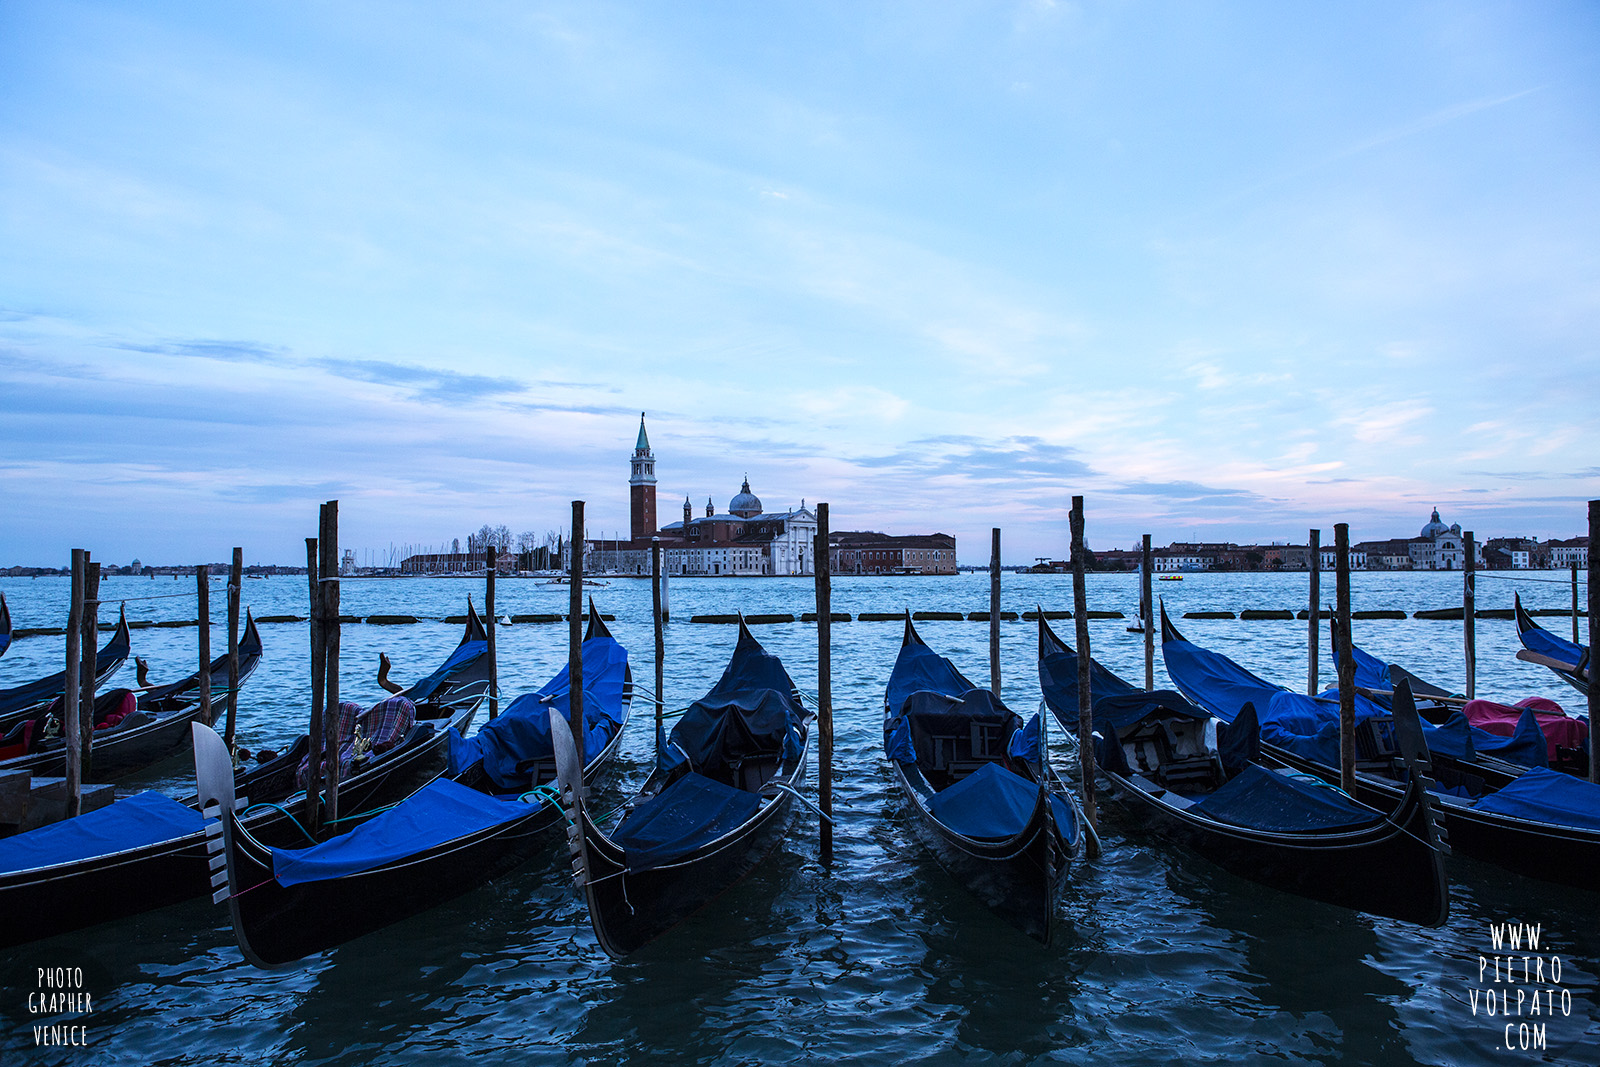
x=1020, y=879
x=1390, y=870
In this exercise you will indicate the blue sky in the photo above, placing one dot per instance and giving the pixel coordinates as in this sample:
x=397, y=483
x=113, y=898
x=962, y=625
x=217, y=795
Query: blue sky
x=1228, y=270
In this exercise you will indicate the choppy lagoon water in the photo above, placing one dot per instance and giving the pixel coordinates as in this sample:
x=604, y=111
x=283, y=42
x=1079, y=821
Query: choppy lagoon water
x=880, y=957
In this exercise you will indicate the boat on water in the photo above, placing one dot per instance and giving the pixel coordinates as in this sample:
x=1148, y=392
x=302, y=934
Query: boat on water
x=1533, y=821
x=1571, y=662
x=716, y=804
x=1169, y=577
x=490, y=813
x=1536, y=731
x=5, y=625
x=1263, y=823
x=23, y=701
x=149, y=850
x=133, y=730
x=986, y=801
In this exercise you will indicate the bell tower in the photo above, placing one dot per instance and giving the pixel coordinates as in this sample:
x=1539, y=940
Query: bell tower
x=642, y=487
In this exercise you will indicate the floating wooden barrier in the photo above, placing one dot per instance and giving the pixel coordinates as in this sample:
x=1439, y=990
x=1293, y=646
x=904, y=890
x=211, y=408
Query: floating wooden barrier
x=752, y=620
x=1437, y=613
x=536, y=617
x=981, y=616
x=281, y=618
x=390, y=620
x=174, y=623
x=1209, y=615
x=38, y=631
x=1092, y=614
x=1495, y=613
x=937, y=616
x=1264, y=614
x=1382, y=614
x=881, y=616
x=140, y=624
x=833, y=616
x=1034, y=615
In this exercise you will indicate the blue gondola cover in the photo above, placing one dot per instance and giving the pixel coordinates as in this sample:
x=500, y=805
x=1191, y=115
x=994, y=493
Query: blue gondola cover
x=920, y=668
x=1544, y=795
x=691, y=812
x=993, y=803
x=751, y=711
x=1557, y=648
x=439, y=812
x=1263, y=800
x=142, y=819
x=466, y=654
x=521, y=734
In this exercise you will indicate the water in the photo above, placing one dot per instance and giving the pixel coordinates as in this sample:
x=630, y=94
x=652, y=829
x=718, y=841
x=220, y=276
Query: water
x=880, y=958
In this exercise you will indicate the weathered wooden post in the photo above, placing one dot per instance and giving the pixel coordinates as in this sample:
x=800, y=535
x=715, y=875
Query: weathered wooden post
x=70, y=722
x=330, y=638
x=1469, y=611
x=90, y=664
x=656, y=616
x=1594, y=613
x=575, y=643
x=822, y=568
x=202, y=581
x=1147, y=581
x=1080, y=617
x=235, y=581
x=1314, y=613
x=489, y=554
x=1347, y=660
x=994, y=612
x=1575, y=638
x=318, y=667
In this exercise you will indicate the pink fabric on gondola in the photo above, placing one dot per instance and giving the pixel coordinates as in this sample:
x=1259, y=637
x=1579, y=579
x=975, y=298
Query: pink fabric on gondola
x=1558, y=728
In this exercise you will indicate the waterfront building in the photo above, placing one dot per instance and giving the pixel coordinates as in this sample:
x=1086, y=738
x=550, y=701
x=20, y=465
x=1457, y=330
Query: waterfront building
x=1564, y=554
x=870, y=552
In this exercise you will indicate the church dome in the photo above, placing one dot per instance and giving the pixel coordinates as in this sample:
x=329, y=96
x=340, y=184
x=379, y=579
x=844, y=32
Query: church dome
x=1435, y=527
x=746, y=504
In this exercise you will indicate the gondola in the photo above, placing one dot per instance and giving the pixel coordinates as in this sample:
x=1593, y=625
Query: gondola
x=148, y=850
x=717, y=802
x=987, y=803
x=1263, y=824
x=5, y=625
x=459, y=831
x=148, y=728
x=1539, y=823
x=20, y=702
x=1533, y=732
x=1569, y=661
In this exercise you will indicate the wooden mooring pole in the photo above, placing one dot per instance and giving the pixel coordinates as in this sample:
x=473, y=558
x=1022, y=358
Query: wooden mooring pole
x=235, y=581
x=1148, y=594
x=490, y=555
x=994, y=612
x=1575, y=638
x=330, y=638
x=202, y=581
x=318, y=665
x=575, y=643
x=69, y=699
x=1347, y=659
x=657, y=619
x=90, y=663
x=1469, y=611
x=1594, y=612
x=1080, y=618
x=1313, y=613
x=823, y=569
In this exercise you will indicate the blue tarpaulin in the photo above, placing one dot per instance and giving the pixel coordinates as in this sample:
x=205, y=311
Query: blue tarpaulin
x=993, y=803
x=466, y=654
x=919, y=668
x=142, y=819
x=1263, y=800
x=439, y=812
x=1548, y=644
x=691, y=812
x=751, y=711
x=1547, y=796
x=520, y=736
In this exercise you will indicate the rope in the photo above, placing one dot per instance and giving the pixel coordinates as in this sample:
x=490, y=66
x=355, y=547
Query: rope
x=286, y=812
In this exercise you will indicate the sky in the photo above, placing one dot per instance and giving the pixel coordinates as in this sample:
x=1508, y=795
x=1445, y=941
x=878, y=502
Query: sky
x=1228, y=270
